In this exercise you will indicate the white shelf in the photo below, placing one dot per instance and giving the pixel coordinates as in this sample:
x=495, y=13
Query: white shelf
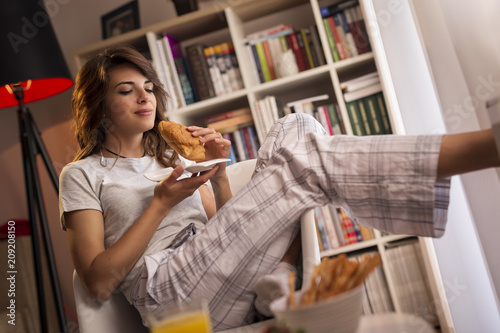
x=233, y=20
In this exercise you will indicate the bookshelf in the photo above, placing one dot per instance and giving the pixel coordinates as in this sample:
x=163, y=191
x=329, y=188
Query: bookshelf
x=233, y=21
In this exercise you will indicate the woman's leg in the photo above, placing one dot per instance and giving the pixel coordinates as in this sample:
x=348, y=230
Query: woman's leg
x=465, y=152
x=387, y=182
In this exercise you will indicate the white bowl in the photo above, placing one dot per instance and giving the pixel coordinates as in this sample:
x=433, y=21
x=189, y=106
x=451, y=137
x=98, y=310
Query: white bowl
x=340, y=314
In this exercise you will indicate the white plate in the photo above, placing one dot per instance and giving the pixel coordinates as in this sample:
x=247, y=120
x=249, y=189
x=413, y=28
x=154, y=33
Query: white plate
x=158, y=175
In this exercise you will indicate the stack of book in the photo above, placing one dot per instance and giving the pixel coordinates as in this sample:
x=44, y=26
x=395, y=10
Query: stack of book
x=328, y=115
x=365, y=105
x=203, y=72
x=376, y=298
x=345, y=29
x=269, y=109
x=336, y=229
x=282, y=50
x=238, y=127
x=406, y=267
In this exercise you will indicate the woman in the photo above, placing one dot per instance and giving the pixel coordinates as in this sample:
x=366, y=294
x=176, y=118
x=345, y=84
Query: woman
x=171, y=242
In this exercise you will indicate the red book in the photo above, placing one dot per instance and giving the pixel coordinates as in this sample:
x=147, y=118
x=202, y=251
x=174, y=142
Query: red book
x=296, y=50
x=269, y=59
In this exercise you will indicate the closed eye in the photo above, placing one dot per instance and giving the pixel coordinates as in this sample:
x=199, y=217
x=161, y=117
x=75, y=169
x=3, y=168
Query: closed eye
x=125, y=92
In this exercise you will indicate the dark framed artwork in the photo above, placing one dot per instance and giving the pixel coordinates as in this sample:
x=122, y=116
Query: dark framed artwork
x=120, y=20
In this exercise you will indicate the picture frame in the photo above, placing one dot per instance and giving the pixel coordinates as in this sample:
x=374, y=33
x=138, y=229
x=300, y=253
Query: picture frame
x=120, y=20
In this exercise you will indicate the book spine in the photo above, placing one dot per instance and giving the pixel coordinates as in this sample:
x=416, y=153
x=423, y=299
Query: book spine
x=261, y=56
x=221, y=64
x=298, y=53
x=317, y=45
x=363, y=35
x=383, y=113
x=348, y=34
x=302, y=50
x=187, y=91
x=236, y=66
x=231, y=71
x=374, y=113
x=331, y=41
x=336, y=38
x=172, y=69
x=269, y=59
x=365, y=122
x=342, y=36
x=200, y=71
x=215, y=74
x=254, y=59
x=304, y=44
x=189, y=74
x=354, y=118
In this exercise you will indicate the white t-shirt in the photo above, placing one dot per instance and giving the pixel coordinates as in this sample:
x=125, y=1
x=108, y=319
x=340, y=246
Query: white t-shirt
x=122, y=193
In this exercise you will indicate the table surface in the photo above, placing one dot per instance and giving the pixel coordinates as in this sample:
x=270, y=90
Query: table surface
x=380, y=323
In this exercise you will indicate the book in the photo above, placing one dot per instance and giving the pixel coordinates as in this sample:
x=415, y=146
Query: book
x=186, y=86
x=364, y=92
x=215, y=74
x=374, y=113
x=383, y=113
x=316, y=42
x=221, y=64
x=354, y=118
x=331, y=41
x=261, y=58
x=171, y=46
x=226, y=115
x=360, y=82
x=199, y=70
x=236, y=121
x=365, y=119
x=335, y=8
x=172, y=101
x=231, y=70
x=336, y=37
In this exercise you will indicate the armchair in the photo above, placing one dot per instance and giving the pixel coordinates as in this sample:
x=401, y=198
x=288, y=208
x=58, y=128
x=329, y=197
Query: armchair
x=116, y=315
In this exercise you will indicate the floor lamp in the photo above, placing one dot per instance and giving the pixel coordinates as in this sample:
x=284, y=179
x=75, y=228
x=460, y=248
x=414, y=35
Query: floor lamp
x=32, y=68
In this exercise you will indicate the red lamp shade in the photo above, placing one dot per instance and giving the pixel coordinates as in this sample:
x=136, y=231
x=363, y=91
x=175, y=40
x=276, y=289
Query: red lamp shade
x=29, y=53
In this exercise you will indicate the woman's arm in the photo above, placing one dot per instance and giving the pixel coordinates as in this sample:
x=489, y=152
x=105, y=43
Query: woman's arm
x=102, y=270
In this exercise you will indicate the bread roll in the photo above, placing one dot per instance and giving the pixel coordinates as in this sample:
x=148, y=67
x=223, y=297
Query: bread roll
x=182, y=141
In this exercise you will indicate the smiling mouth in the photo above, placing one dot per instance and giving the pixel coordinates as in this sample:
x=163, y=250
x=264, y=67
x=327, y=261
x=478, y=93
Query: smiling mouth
x=144, y=112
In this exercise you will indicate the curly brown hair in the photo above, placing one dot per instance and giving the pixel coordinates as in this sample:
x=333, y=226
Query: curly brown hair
x=88, y=104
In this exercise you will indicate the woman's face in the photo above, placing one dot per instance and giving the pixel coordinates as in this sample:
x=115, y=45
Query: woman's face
x=130, y=102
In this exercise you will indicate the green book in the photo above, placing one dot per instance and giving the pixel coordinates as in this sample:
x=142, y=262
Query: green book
x=334, y=120
x=331, y=41
x=374, y=114
x=354, y=118
x=365, y=122
x=383, y=113
x=263, y=62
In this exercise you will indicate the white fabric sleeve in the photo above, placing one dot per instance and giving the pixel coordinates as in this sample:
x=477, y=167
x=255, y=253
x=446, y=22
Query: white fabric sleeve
x=76, y=192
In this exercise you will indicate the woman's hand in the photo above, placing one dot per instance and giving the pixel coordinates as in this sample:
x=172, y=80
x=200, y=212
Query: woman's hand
x=170, y=191
x=215, y=145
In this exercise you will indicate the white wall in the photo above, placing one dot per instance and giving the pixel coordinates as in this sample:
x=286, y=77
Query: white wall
x=435, y=100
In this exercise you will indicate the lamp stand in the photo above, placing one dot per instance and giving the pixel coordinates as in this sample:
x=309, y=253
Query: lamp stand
x=32, y=145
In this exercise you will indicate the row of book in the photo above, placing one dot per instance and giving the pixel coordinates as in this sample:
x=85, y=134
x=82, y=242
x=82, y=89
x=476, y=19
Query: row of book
x=345, y=29
x=283, y=50
x=336, y=229
x=406, y=266
x=411, y=290
x=376, y=298
x=366, y=106
x=201, y=73
x=238, y=127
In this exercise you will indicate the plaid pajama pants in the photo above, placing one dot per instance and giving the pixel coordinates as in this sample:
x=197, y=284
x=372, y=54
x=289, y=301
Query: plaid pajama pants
x=384, y=182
